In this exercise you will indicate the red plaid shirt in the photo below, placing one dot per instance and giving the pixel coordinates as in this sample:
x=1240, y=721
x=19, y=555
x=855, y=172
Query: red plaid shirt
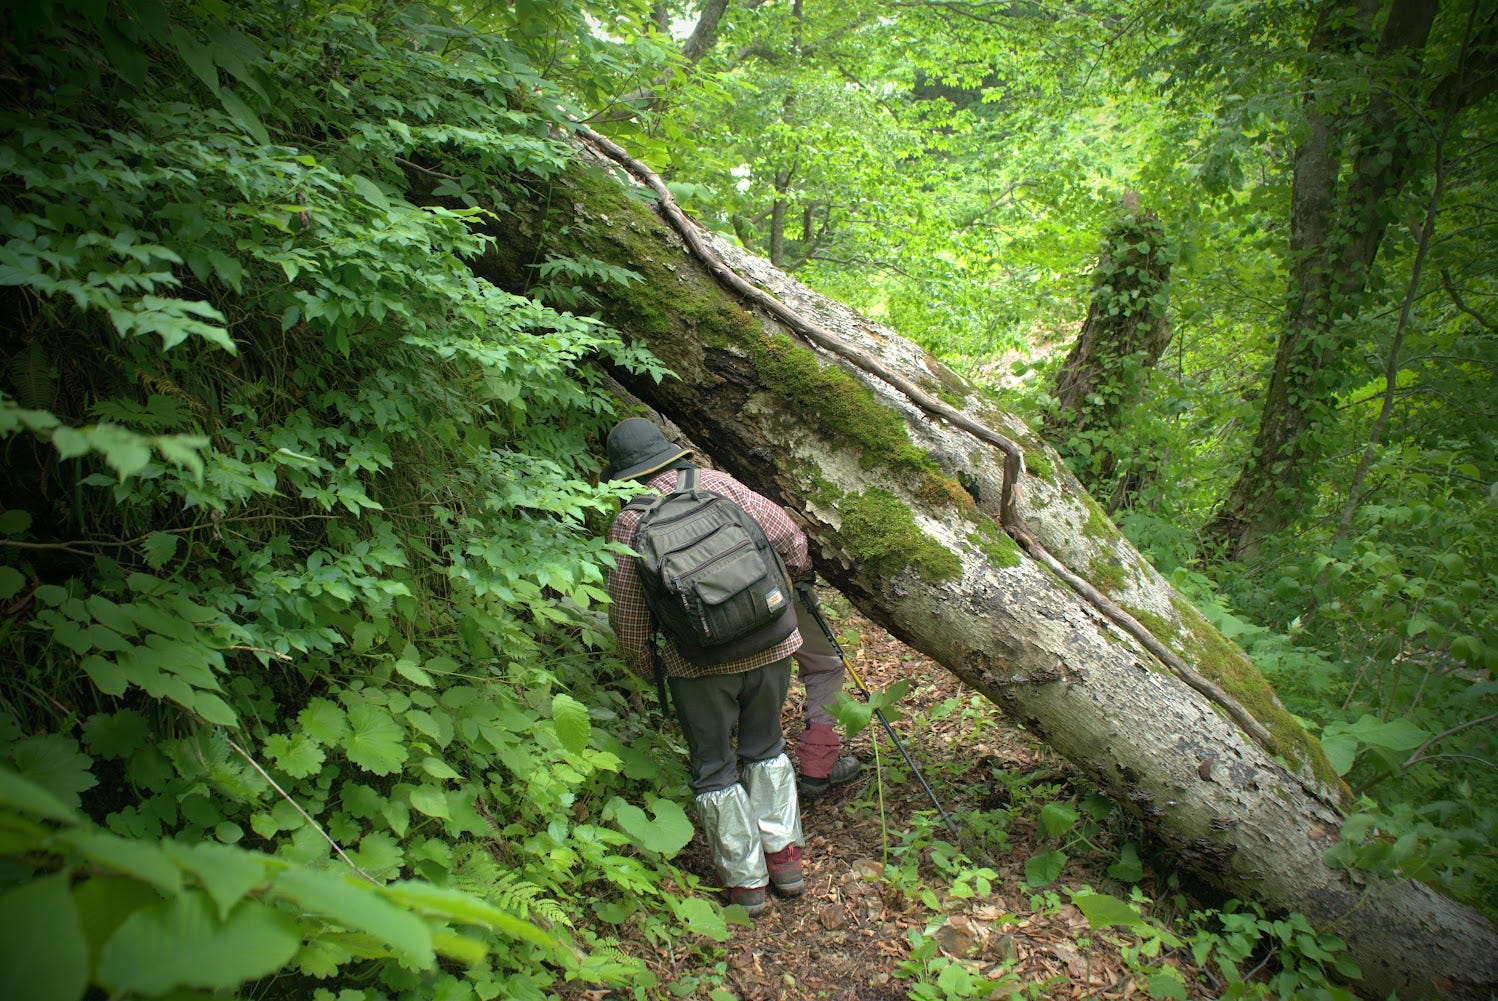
x=629, y=615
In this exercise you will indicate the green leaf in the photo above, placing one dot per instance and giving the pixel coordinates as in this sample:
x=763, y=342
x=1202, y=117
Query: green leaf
x=1166, y=986
x=114, y=616
x=1043, y=868
x=226, y=873
x=703, y=918
x=126, y=54
x=115, y=736
x=324, y=722
x=430, y=801
x=413, y=672
x=570, y=717
x=667, y=833
x=142, y=859
x=11, y=582
x=183, y=451
x=1128, y=867
x=439, y=769
x=20, y=793
x=241, y=113
x=1341, y=751
x=43, y=954
x=124, y=451
x=198, y=57
x=106, y=674
x=371, y=192
x=104, y=902
x=376, y=742
x=159, y=548
x=295, y=754
x=70, y=442
x=54, y=762
x=181, y=943
x=1104, y=911
x=358, y=906
x=211, y=708
x=1395, y=734
x=378, y=854
x=14, y=521
x=438, y=725
x=464, y=908
x=1057, y=819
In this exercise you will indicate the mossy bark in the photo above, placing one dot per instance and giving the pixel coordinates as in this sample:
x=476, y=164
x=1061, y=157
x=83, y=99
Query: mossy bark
x=903, y=514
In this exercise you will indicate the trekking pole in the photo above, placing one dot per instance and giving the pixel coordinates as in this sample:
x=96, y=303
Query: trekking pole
x=809, y=599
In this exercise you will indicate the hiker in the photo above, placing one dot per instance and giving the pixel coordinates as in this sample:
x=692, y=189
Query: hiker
x=746, y=796
x=820, y=763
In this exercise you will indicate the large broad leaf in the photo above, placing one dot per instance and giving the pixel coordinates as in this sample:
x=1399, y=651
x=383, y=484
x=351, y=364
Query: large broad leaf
x=141, y=859
x=226, y=873
x=1057, y=819
x=358, y=906
x=376, y=742
x=54, y=762
x=668, y=832
x=702, y=918
x=1044, y=867
x=570, y=717
x=182, y=943
x=22, y=794
x=43, y=955
x=296, y=754
x=104, y=903
x=324, y=722
x=1104, y=911
x=430, y=800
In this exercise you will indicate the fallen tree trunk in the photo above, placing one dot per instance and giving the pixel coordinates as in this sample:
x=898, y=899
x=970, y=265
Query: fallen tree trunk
x=944, y=520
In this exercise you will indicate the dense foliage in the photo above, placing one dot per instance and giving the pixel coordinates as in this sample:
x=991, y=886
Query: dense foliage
x=300, y=551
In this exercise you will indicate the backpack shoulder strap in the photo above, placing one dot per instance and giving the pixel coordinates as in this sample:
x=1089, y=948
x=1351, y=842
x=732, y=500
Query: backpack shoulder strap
x=641, y=502
x=688, y=479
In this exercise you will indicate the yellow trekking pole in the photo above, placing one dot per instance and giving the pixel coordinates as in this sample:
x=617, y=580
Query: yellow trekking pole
x=809, y=599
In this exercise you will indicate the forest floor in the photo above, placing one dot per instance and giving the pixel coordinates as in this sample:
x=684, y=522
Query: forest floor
x=850, y=936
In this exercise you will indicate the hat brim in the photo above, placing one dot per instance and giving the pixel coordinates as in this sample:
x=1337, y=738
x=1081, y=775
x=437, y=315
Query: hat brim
x=654, y=464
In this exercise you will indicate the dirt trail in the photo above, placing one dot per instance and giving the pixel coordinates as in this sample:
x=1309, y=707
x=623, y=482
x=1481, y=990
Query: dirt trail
x=844, y=938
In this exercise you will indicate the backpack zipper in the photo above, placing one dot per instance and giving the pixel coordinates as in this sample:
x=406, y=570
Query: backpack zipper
x=697, y=607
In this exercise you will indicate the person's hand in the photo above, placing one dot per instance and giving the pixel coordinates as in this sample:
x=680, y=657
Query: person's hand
x=806, y=588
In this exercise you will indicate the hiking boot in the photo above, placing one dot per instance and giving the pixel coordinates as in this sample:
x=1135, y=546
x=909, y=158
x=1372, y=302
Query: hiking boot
x=844, y=769
x=785, y=871
x=750, y=898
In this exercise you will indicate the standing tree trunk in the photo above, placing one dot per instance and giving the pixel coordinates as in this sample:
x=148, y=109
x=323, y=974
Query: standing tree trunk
x=944, y=520
x=1350, y=168
x=1122, y=338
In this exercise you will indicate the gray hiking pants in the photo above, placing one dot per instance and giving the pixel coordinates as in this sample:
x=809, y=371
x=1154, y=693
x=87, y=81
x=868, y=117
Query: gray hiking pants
x=820, y=667
x=710, y=708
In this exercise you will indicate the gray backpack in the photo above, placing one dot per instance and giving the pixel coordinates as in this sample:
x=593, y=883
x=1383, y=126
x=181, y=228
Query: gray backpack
x=711, y=578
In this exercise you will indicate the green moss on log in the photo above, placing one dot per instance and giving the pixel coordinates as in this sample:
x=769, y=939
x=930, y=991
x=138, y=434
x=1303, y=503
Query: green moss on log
x=1098, y=525
x=825, y=396
x=882, y=536
x=1220, y=661
x=1107, y=575
x=1002, y=551
x=1038, y=465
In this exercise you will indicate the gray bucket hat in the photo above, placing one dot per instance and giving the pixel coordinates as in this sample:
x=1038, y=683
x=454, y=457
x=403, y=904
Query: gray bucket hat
x=636, y=447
